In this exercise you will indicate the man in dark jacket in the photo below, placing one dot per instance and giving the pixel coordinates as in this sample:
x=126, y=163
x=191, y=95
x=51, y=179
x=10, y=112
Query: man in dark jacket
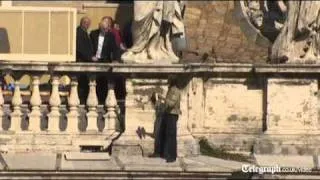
x=84, y=46
x=106, y=51
x=84, y=54
x=104, y=44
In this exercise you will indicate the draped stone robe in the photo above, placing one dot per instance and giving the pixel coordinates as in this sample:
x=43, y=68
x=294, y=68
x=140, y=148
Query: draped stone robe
x=299, y=40
x=154, y=24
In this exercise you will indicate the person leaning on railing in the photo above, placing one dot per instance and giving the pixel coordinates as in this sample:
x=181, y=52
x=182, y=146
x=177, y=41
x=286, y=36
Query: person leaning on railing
x=84, y=47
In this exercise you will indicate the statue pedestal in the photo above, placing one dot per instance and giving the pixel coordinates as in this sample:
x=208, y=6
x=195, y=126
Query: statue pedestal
x=138, y=138
x=292, y=118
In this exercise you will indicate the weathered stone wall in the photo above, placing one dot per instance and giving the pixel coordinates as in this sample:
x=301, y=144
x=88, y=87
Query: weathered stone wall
x=273, y=116
x=226, y=111
x=212, y=28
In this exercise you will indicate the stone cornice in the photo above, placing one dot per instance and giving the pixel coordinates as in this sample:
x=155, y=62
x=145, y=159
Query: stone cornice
x=152, y=69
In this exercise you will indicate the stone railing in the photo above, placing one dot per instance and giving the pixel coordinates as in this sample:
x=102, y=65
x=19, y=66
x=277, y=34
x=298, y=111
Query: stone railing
x=52, y=117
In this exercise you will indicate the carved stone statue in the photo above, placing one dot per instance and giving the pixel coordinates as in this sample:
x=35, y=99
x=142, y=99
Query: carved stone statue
x=292, y=27
x=299, y=40
x=154, y=24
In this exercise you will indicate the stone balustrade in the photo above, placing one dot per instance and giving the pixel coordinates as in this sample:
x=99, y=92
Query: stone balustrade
x=54, y=105
x=36, y=117
x=220, y=102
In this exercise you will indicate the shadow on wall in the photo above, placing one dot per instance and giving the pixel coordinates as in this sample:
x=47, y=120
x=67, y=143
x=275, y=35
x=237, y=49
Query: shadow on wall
x=4, y=41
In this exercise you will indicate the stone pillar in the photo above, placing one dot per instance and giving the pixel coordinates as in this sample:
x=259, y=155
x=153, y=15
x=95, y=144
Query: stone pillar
x=16, y=115
x=73, y=102
x=186, y=143
x=111, y=117
x=92, y=103
x=54, y=102
x=182, y=124
x=140, y=117
x=1, y=108
x=35, y=102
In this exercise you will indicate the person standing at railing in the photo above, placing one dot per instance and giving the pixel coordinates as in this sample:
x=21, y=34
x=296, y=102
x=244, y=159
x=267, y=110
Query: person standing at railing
x=104, y=42
x=117, y=33
x=84, y=46
x=106, y=51
x=84, y=54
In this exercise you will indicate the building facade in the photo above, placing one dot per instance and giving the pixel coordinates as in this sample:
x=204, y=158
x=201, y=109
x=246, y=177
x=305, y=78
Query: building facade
x=234, y=98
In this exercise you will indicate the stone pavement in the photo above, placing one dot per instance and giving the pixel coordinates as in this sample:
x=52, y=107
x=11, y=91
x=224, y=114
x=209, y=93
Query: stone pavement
x=101, y=161
x=102, y=166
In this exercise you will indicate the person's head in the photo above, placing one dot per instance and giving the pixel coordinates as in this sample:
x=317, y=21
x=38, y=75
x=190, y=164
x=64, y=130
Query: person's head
x=85, y=23
x=105, y=23
x=180, y=81
x=116, y=26
x=173, y=80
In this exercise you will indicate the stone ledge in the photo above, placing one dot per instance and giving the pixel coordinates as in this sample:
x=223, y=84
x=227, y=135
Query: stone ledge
x=30, y=161
x=157, y=68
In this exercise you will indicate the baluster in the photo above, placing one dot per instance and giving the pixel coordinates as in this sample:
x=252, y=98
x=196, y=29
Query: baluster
x=54, y=102
x=35, y=101
x=73, y=102
x=1, y=107
x=111, y=107
x=16, y=115
x=92, y=103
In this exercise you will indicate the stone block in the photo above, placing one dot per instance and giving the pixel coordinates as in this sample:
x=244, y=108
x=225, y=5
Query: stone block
x=23, y=139
x=292, y=106
x=226, y=111
x=138, y=163
x=53, y=139
x=30, y=161
x=90, y=165
x=195, y=166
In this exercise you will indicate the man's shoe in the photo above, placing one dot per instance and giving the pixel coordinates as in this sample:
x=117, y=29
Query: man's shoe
x=171, y=160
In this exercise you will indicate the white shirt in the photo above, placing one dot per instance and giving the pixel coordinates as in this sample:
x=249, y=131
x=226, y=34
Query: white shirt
x=100, y=45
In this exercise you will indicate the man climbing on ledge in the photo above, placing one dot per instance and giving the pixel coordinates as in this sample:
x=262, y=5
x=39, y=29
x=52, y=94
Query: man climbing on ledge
x=166, y=135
